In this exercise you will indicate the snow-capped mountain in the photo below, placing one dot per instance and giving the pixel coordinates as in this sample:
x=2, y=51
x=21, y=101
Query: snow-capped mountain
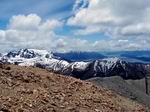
x=108, y=64
x=34, y=57
x=26, y=57
x=79, y=69
x=115, y=66
x=27, y=53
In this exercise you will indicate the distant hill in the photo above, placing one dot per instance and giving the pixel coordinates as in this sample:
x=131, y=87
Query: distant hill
x=133, y=53
x=137, y=56
x=80, y=56
x=133, y=89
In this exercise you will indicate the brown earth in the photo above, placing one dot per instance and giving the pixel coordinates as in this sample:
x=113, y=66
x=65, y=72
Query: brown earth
x=28, y=89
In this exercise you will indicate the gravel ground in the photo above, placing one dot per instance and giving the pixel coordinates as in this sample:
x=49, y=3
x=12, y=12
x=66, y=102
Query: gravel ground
x=28, y=89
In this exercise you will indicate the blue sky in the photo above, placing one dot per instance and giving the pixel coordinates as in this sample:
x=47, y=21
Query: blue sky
x=45, y=9
x=75, y=25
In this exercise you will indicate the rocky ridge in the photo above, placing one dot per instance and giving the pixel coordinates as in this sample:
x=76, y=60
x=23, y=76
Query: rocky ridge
x=32, y=89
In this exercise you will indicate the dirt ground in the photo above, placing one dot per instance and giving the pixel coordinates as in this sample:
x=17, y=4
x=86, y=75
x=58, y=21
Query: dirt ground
x=29, y=89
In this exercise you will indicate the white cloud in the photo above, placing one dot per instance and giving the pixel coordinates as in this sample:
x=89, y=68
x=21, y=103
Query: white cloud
x=51, y=24
x=89, y=30
x=31, y=31
x=125, y=22
x=123, y=41
x=22, y=22
x=136, y=29
x=32, y=22
x=80, y=4
x=117, y=18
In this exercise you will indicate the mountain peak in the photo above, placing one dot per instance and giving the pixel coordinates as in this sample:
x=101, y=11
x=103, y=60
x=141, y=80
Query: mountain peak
x=27, y=53
x=112, y=59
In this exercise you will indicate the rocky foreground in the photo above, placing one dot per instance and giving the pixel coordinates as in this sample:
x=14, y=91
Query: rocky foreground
x=28, y=89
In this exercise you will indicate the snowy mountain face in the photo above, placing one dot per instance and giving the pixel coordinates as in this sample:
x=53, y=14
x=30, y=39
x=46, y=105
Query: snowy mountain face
x=115, y=66
x=27, y=53
x=34, y=57
x=26, y=57
x=107, y=64
x=79, y=69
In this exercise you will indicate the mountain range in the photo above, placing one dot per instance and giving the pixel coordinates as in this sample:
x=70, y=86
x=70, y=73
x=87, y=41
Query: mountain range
x=86, y=68
x=80, y=56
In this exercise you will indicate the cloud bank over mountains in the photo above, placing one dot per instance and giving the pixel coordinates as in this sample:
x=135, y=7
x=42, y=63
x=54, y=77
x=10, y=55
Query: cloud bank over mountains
x=31, y=31
x=126, y=23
